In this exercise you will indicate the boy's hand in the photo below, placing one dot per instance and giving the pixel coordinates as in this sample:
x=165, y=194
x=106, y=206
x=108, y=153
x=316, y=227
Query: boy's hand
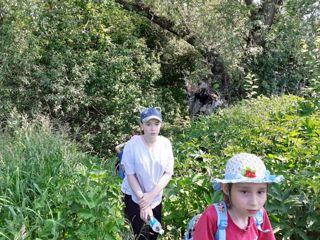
x=146, y=200
x=146, y=214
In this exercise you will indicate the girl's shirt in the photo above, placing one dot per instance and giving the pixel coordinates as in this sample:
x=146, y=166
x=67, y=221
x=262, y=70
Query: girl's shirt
x=207, y=227
x=148, y=165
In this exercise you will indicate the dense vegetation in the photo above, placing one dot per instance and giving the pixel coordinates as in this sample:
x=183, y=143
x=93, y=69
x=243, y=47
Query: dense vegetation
x=90, y=65
x=74, y=74
x=284, y=131
x=50, y=190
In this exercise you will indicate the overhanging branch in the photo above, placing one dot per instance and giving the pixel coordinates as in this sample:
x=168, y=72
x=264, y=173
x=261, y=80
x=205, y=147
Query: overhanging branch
x=212, y=57
x=166, y=24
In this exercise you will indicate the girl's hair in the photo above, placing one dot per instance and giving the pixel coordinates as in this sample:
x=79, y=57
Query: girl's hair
x=227, y=197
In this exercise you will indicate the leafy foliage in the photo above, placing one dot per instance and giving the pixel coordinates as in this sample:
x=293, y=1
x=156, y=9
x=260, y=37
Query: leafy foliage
x=86, y=65
x=250, y=86
x=90, y=65
x=50, y=190
x=284, y=131
x=240, y=37
x=282, y=66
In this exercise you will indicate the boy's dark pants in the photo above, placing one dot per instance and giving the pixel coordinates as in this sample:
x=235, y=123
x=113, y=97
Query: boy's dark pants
x=140, y=229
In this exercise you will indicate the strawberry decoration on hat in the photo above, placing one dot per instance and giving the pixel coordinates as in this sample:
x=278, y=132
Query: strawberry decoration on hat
x=248, y=172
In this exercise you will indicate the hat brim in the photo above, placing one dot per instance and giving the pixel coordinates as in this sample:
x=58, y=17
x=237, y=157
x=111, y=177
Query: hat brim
x=151, y=117
x=271, y=179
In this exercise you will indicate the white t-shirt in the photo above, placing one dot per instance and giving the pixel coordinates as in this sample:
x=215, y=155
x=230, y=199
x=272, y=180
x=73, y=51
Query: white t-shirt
x=148, y=165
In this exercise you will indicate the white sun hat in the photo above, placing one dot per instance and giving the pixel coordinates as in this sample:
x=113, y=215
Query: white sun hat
x=246, y=168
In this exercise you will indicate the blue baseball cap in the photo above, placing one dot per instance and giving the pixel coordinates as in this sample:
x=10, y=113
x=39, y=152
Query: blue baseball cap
x=151, y=113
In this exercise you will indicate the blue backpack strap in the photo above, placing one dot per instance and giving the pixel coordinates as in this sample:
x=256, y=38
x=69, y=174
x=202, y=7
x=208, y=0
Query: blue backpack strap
x=259, y=220
x=222, y=222
x=191, y=227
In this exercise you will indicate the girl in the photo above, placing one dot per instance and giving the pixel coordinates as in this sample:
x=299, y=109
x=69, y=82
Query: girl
x=245, y=188
x=148, y=162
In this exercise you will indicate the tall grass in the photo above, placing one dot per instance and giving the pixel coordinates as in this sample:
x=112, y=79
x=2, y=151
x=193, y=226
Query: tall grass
x=36, y=166
x=51, y=190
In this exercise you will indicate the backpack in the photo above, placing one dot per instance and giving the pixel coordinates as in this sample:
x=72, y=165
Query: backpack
x=119, y=170
x=222, y=222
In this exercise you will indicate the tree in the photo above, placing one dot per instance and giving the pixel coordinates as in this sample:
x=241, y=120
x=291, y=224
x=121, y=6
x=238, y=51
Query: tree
x=91, y=64
x=233, y=37
x=80, y=63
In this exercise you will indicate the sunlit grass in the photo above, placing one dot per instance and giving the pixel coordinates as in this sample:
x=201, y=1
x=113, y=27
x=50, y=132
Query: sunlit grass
x=51, y=190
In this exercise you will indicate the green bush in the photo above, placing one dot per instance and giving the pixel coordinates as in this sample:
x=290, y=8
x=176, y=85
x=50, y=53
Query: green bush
x=50, y=190
x=85, y=64
x=284, y=131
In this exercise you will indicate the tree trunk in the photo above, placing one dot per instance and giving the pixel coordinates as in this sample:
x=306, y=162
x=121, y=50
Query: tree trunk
x=202, y=100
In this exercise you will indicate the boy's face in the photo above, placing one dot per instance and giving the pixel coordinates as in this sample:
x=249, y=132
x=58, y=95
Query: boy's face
x=152, y=127
x=247, y=198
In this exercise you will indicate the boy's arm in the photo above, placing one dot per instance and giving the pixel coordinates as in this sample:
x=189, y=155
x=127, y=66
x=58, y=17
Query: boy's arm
x=147, y=198
x=135, y=186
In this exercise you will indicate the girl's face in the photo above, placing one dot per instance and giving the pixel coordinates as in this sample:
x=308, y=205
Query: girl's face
x=247, y=198
x=151, y=128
